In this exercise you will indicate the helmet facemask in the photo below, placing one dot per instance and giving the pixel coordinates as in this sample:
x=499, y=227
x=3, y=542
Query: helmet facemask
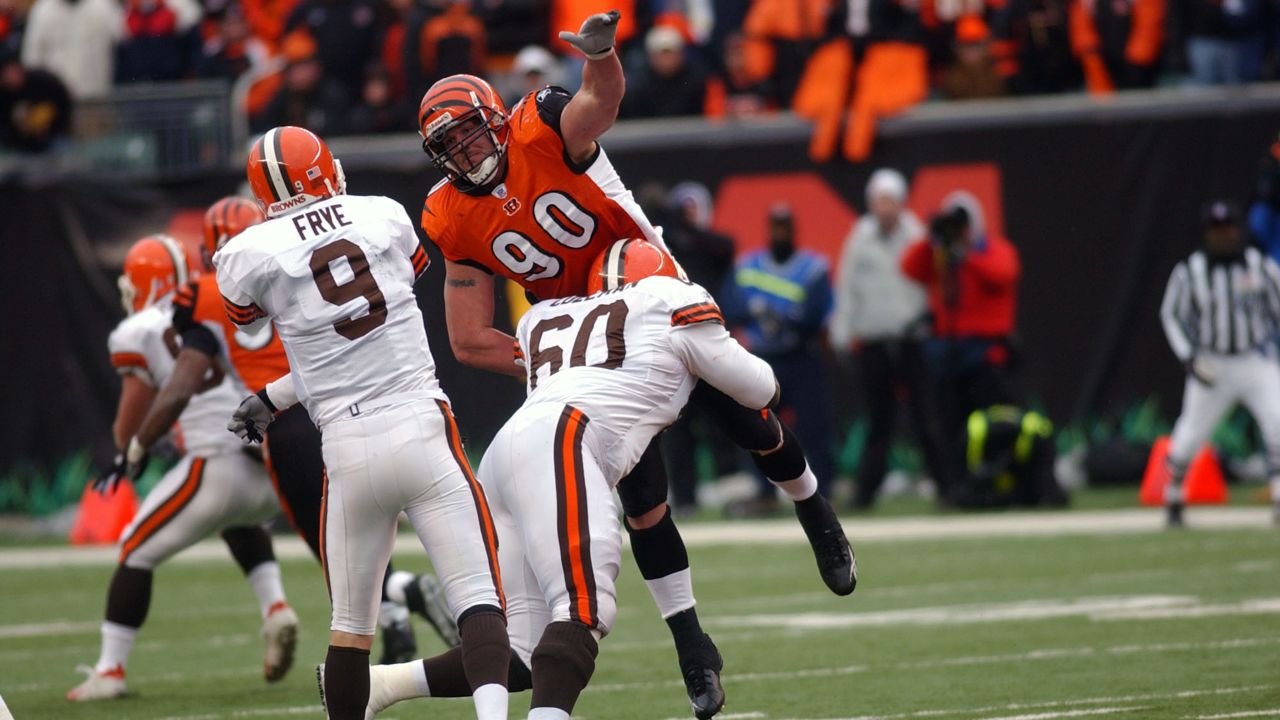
x=449, y=152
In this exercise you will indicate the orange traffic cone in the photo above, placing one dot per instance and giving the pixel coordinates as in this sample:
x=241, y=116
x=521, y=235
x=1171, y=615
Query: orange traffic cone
x=1204, y=483
x=102, y=518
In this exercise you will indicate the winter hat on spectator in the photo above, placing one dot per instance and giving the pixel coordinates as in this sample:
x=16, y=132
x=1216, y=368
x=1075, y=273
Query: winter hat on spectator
x=663, y=37
x=695, y=195
x=971, y=29
x=298, y=46
x=534, y=59
x=887, y=181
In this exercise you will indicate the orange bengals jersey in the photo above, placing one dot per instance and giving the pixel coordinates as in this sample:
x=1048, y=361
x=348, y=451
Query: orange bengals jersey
x=201, y=321
x=549, y=218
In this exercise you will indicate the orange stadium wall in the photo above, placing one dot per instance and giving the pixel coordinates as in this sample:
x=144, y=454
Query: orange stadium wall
x=1100, y=212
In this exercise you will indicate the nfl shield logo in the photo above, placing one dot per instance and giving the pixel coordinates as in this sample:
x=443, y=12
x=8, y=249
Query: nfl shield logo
x=511, y=206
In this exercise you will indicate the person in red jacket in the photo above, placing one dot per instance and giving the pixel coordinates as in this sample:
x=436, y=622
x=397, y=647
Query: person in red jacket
x=972, y=279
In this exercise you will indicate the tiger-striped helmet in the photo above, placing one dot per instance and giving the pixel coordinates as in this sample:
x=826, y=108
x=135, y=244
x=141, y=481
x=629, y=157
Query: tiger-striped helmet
x=290, y=167
x=224, y=220
x=464, y=129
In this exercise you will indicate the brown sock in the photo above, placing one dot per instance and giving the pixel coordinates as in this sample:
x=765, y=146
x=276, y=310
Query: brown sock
x=486, y=650
x=563, y=663
x=346, y=682
x=447, y=678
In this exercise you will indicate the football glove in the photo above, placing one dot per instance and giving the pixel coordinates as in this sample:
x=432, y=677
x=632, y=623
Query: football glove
x=251, y=419
x=128, y=465
x=595, y=38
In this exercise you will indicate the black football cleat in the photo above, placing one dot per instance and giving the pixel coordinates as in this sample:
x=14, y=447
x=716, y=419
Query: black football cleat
x=1173, y=515
x=425, y=596
x=398, y=643
x=701, y=666
x=831, y=549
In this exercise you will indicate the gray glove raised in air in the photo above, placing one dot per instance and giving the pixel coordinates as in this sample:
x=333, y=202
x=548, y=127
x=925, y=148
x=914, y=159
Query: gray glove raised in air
x=253, y=416
x=595, y=38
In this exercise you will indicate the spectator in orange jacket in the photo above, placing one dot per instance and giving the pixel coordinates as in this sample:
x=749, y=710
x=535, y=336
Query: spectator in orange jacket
x=971, y=276
x=1118, y=42
x=267, y=18
x=780, y=37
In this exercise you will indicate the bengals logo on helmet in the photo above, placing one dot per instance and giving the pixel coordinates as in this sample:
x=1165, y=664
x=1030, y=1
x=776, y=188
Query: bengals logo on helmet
x=153, y=268
x=628, y=261
x=463, y=123
x=225, y=219
x=290, y=167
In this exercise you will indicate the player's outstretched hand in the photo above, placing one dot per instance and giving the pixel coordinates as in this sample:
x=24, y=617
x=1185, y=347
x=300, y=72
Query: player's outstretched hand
x=251, y=419
x=121, y=468
x=595, y=38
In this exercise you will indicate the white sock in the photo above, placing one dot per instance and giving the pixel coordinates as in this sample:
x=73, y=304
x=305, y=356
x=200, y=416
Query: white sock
x=396, y=584
x=1275, y=489
x=801, y=488
x=673, y=593
x=117, y=643
x=390, y=613
x=491, y=702
x=265, y=581
x=1173, y=494
x=404, y=681
x=547, y=713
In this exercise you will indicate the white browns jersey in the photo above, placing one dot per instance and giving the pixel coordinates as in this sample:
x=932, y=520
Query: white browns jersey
x=628, y=359
x=145, y=345
x=337, y=279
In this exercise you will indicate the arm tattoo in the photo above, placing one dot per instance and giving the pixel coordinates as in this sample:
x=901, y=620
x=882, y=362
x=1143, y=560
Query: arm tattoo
x=454, y=282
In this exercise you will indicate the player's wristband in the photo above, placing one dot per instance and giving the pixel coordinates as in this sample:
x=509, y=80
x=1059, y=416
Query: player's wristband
x=266, y=400
x=600, y=55
x=135, y=451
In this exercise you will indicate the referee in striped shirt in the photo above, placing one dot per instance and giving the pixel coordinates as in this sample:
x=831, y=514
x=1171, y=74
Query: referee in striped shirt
x=1221, y=311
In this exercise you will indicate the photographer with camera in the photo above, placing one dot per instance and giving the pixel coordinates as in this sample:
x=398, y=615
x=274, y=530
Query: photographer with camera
x=971, y=276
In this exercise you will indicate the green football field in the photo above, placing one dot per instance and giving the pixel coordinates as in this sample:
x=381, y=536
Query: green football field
x=1017, y=616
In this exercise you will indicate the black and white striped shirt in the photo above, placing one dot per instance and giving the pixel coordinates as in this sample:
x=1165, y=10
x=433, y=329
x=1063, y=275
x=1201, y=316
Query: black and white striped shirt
x=1224, y=307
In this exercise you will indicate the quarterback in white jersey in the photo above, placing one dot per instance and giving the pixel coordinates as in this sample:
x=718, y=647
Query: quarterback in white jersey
x=605, y=373
x=335, y=273
x=216, y=487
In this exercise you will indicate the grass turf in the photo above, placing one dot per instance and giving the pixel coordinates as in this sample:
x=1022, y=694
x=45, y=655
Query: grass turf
x=1002, y=628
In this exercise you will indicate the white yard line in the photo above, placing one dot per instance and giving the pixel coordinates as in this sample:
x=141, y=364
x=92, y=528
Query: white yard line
x=1048, y=705
x=57, y=627
x=1031, y=655
x=1274, y=712
x=1068, y=713
x=766, y=532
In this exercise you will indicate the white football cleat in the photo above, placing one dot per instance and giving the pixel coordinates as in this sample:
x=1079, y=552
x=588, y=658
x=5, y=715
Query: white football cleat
x=99, y=685
x=280, y=631
x=381, y=696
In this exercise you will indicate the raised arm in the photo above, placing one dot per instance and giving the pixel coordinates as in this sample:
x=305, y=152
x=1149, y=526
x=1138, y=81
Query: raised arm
x=595, y=106
x=468, y=313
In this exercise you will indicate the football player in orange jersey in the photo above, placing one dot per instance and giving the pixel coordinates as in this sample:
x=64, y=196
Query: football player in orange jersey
x=292, y=449
x=531, y=196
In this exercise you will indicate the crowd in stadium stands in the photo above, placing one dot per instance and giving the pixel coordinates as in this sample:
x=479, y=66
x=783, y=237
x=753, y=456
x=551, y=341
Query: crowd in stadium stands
x=354, y=66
